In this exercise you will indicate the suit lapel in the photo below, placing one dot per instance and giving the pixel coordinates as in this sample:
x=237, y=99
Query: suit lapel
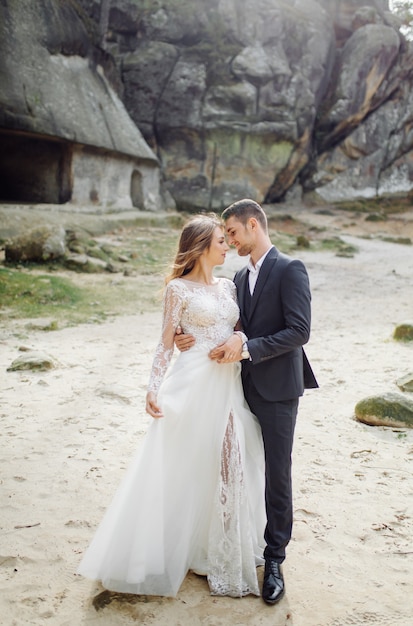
x=266, y=267
x=242, y=293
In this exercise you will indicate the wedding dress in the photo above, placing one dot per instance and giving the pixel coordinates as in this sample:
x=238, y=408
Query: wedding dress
x=193, y=497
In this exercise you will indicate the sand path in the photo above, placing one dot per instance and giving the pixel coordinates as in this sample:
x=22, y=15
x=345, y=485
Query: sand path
x=67, y=436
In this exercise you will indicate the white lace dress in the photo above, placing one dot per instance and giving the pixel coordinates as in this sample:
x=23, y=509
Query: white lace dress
x=193, y=498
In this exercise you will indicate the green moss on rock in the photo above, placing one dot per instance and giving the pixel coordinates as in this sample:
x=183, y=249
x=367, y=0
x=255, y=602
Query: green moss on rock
x=403, y=332
x=389, y=409
x=254, y=149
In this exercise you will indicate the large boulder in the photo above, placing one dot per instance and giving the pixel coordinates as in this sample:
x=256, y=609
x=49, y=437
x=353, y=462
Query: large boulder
x=34, y=360
x=403, y=331
x=226, y=94
x=389, y=409
x=39, y=245
x=365, y=61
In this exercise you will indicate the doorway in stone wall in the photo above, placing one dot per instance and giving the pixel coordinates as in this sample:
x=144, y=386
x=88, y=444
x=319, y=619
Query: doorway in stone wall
x=34, y=169
x=136, y=192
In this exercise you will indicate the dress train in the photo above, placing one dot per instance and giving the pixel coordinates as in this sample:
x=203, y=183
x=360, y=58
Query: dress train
x=193, y=497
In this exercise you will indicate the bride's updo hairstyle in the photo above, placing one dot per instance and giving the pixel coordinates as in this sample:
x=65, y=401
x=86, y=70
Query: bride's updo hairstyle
x=196, y=236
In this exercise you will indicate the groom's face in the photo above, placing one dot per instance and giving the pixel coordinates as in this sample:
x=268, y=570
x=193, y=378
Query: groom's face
x=238, y=236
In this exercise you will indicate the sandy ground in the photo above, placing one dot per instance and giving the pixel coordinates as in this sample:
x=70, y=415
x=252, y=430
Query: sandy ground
x=67, y=436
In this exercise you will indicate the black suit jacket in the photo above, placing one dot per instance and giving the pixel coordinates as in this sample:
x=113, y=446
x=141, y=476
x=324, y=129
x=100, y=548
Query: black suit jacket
x=277, y=326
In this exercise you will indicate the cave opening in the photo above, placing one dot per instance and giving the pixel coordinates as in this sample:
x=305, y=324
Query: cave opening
x=34, y=169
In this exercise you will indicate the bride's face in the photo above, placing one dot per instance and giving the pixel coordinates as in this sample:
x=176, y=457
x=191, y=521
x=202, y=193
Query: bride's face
x=218, y=249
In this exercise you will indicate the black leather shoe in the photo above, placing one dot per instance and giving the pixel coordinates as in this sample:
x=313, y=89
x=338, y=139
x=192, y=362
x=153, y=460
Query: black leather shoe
x=273, y=585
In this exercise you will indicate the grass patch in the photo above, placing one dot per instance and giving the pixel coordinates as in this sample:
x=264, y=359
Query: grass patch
x=151, y=251
x=285, y=242
x=27, y=294
x=378, y=206
x=290, y=243
x=67, y=298
x=404, y=241
x=337, y=245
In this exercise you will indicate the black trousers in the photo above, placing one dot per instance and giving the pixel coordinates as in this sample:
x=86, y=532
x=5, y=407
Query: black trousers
x=277, y=421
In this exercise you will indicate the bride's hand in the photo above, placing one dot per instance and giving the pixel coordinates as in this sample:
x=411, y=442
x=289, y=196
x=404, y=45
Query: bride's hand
x=217, y=353
x=229, y=351
x=152, y=407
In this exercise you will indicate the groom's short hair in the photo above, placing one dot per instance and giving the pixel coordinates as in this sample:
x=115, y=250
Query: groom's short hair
x=242, y=210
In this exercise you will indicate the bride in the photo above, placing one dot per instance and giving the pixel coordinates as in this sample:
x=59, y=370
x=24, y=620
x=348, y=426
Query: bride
x=193, y=497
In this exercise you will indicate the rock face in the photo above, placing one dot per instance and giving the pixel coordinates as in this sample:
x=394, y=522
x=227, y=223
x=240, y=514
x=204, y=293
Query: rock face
x=267, y=98
x=272, y=99
x=65, y=133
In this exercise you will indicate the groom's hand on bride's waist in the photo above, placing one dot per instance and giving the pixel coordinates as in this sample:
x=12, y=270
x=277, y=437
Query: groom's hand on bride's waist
x=182, y=340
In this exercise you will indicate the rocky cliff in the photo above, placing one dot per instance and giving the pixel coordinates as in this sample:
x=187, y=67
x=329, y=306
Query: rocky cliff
x=272, y=99
x=267, y=98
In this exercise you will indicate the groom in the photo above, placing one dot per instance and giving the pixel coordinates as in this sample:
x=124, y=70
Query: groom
x=275, y=303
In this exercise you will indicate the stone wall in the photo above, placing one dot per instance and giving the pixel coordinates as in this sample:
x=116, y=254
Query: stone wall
x=113, y=181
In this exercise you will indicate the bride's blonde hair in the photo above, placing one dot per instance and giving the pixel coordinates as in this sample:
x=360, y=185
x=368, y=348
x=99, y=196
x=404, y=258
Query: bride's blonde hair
x=196, y=236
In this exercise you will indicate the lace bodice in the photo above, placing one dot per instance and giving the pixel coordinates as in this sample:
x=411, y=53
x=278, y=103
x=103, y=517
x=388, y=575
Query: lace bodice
x=209, y=312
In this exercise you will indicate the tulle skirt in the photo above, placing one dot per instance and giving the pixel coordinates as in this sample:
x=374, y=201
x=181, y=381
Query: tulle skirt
x=193, y=497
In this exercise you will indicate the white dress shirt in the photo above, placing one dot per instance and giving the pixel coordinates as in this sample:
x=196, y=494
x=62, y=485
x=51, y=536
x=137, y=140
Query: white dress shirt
x=255, y=270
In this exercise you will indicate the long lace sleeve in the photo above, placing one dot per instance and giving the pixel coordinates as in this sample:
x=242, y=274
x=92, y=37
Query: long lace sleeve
x=173, y=304
x=238, y=326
